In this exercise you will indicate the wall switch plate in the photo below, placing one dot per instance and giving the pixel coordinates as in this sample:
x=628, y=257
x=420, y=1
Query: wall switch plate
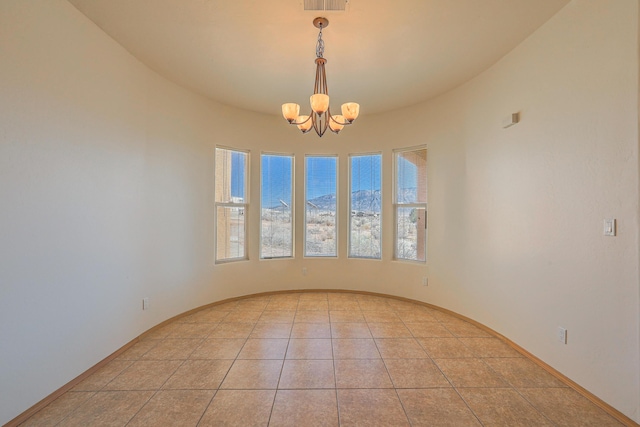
x=610, y=227
x=425, y=281
x=304, y=271
x=145, y=303
x=562, y=335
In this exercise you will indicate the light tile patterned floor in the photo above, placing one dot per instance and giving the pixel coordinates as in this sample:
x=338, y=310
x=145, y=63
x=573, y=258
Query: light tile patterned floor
x=321, y=359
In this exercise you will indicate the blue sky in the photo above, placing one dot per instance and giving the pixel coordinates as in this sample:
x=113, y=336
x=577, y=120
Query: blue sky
x=276, y=180
x=407, y=175
x=365, y=172
x=320, y=175
x=237, y=173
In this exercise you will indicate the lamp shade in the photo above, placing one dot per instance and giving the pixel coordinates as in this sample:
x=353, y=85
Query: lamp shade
x=305, y=123
x=319, y=103
x=350, y=111
x=290, y=111
x=336, y=123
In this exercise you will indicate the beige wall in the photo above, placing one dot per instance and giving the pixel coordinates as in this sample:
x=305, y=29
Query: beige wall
x=516, y=215
x=106, y=174
x=106, y=197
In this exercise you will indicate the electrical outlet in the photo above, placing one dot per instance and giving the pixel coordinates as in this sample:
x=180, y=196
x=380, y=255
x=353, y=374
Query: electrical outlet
x=562, y=335
x=304, y=271
x=145, y=303
x=425, y=281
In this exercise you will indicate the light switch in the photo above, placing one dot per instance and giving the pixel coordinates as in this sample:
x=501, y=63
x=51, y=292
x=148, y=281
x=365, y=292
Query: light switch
x=610, y=227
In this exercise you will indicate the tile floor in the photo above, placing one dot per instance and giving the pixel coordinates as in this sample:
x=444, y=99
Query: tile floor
x=321, y=359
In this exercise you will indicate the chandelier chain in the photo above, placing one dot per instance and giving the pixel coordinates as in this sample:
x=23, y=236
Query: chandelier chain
x=320, y=45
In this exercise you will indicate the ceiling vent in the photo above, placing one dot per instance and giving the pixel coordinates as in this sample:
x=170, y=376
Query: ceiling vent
x=325, y=4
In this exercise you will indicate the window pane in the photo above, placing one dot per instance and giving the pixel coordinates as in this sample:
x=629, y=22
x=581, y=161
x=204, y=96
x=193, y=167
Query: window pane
x=231, y=203
x=276, y=227
x=230, y=233
x=320, y=206
x=411, y=204
x=411, y=176
x=230, y=176
x=410, y=232
x=365, y=198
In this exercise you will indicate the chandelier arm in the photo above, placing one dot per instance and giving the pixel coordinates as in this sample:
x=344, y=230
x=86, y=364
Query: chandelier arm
x=315, y=123
x=300, y=123
x=316, y=84
x=320, y=84
x=320, y=124
x=325, y=123
x=346, y=123
x=331, y=119
x=324, y=81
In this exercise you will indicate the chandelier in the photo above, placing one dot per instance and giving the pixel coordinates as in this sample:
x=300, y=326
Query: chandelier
x=320, y=117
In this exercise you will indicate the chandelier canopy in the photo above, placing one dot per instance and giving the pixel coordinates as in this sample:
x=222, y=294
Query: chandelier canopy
x=320, y=117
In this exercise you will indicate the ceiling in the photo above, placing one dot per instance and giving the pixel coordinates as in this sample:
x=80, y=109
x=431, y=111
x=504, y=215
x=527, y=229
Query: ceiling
x=256, y=55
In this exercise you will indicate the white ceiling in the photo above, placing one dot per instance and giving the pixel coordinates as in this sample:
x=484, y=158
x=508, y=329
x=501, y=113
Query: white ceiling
x=256, y=55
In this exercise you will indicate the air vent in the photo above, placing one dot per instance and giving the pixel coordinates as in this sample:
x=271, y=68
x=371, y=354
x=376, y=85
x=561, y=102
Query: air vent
x=325, y=4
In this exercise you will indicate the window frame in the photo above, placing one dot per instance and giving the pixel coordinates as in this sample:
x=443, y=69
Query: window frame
x=337, y=187
x=292, y=205
x=231, y=204
x=350, y=186
x=397, y=205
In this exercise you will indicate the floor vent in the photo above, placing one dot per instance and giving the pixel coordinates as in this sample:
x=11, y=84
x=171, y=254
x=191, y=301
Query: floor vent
x=325, y=4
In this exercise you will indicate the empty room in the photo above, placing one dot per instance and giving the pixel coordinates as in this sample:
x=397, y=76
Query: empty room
x=448, y=236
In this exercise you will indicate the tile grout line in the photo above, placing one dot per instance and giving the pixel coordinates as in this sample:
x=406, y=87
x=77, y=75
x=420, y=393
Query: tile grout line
x=113, y=379
x=395, y=389
x=450, y=382
x=518, y=392
x=165, y=381
x=481, y=359
x=215, y=392
x=284, y=357
x=70, y=412
x=335, y=373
